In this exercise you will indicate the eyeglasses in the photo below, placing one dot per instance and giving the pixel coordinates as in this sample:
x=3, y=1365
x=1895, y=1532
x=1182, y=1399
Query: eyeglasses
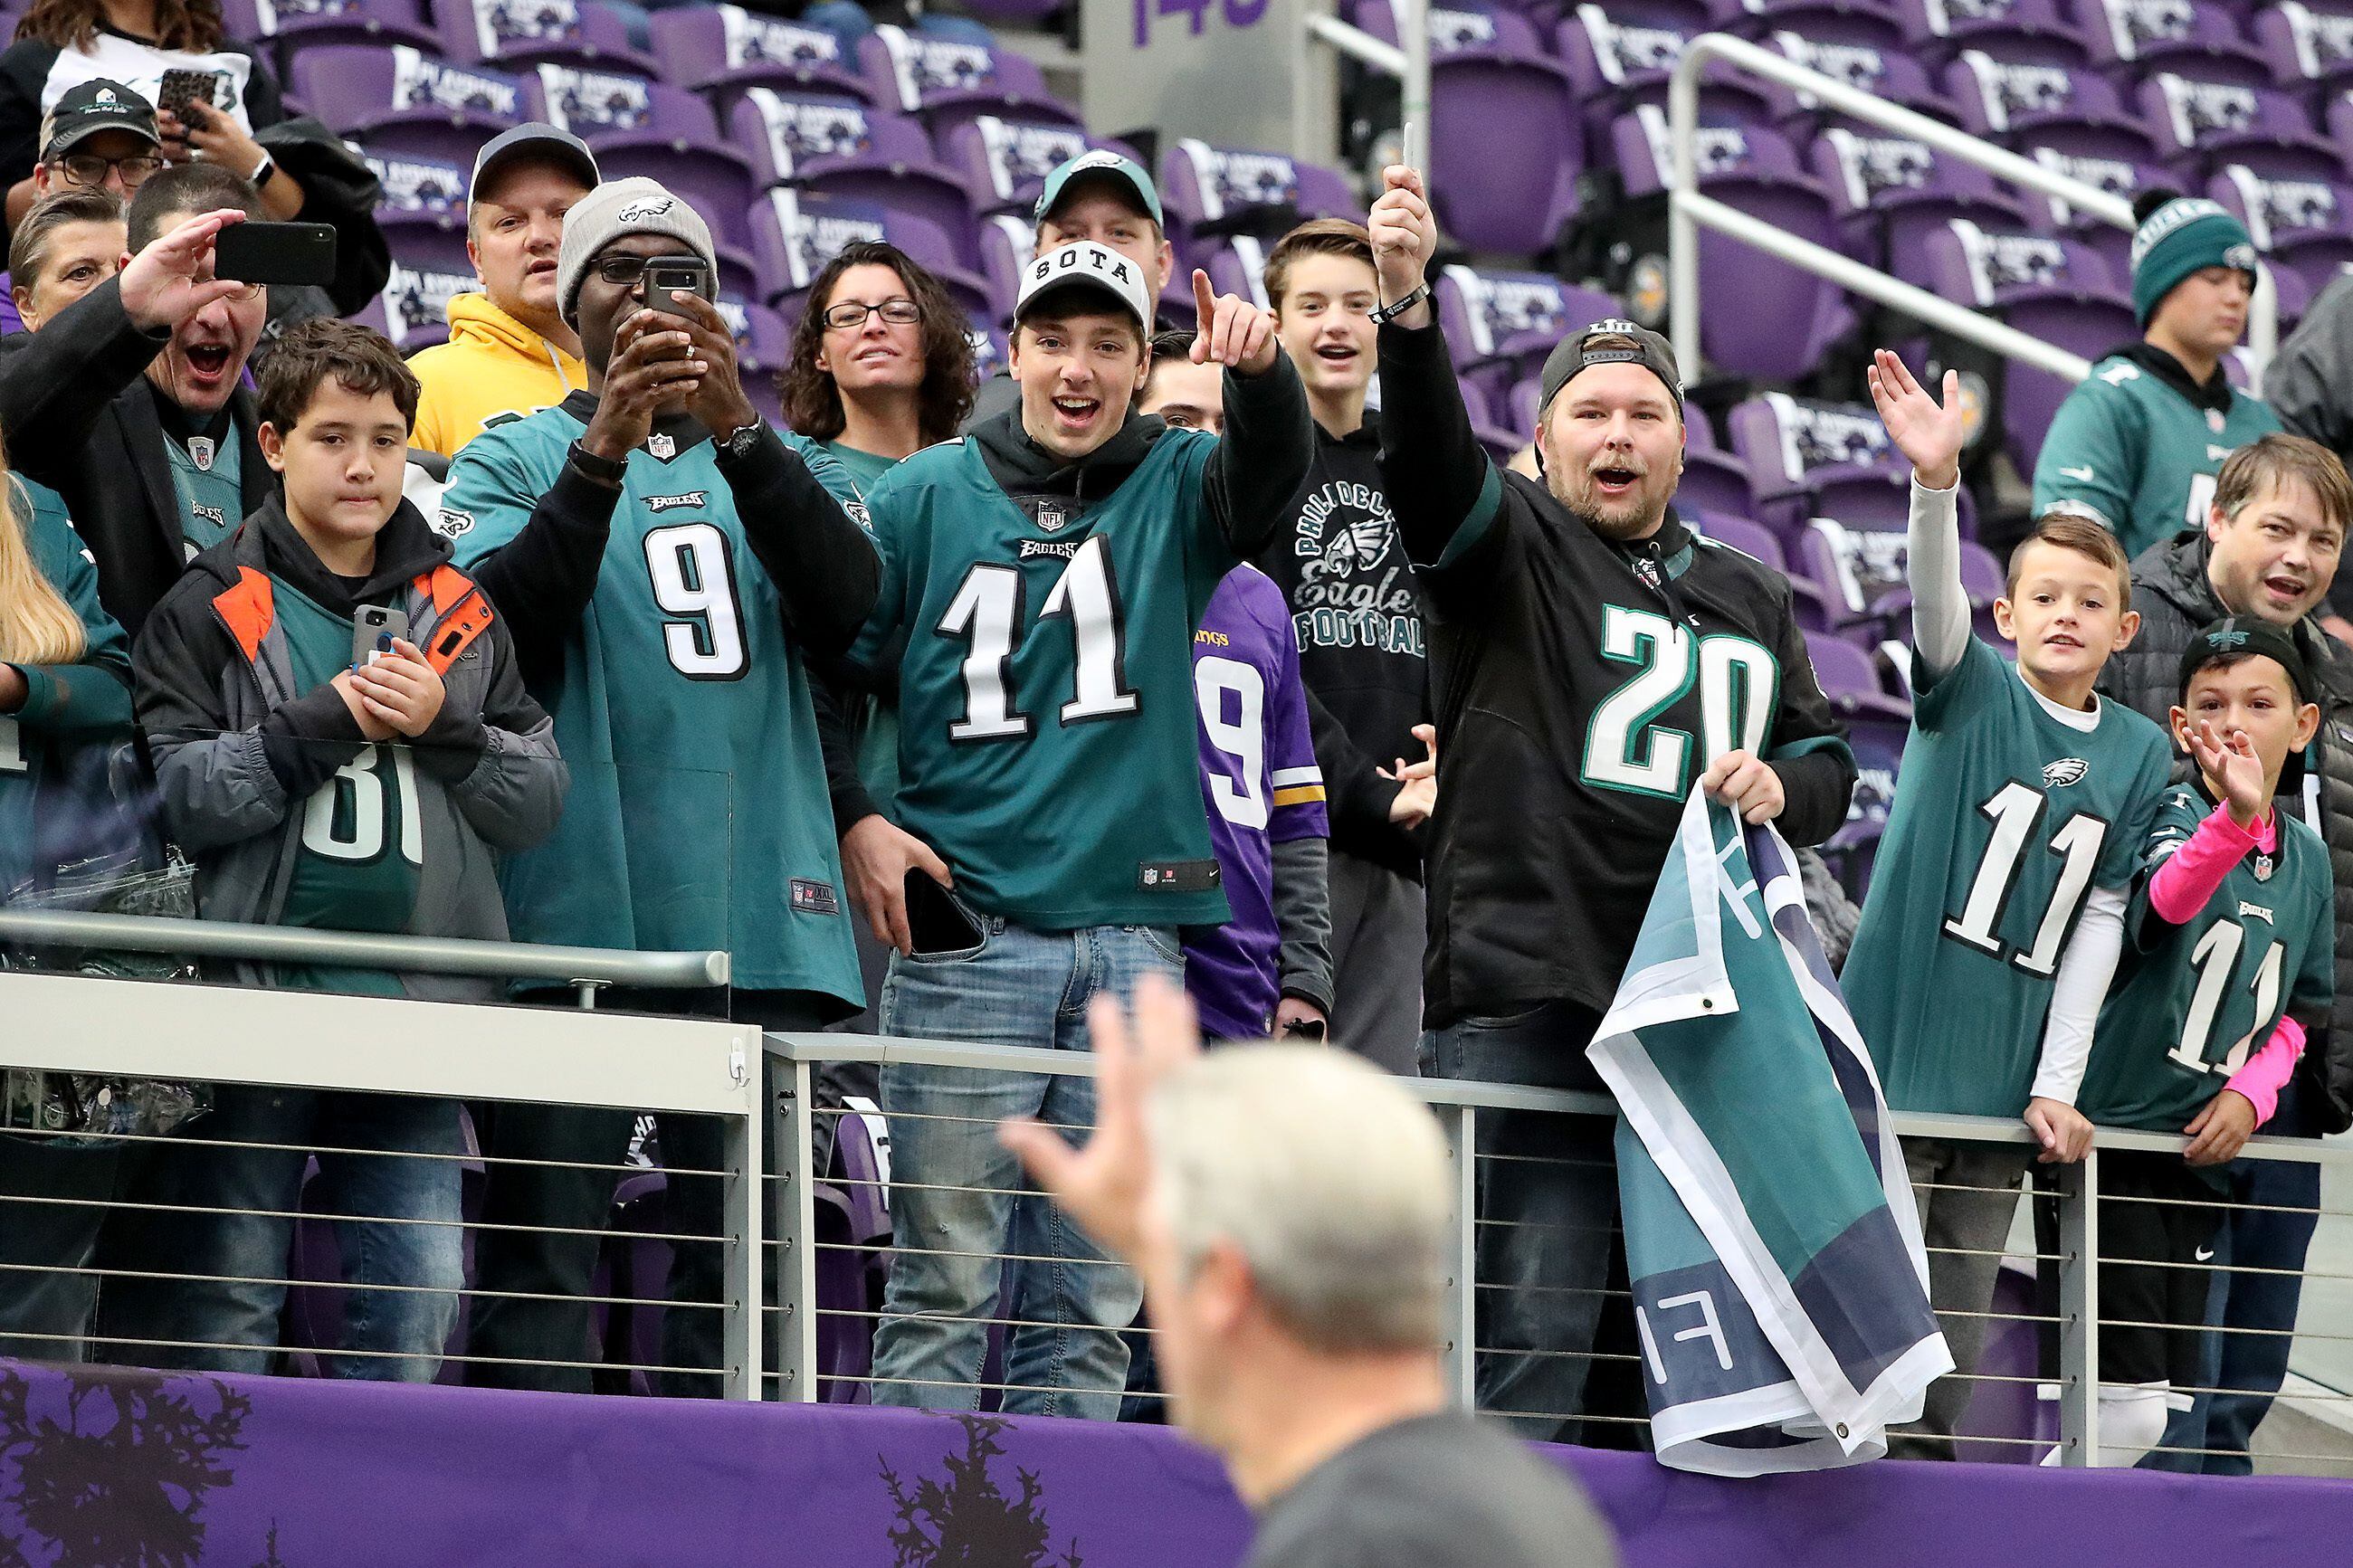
x=90, y=169
x=850, y=315
x=622, y=270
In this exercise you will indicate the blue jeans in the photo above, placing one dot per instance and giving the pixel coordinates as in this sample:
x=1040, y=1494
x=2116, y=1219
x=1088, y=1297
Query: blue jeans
x=1548, y=1198
x=957, y=1203
x=2252, y=1366
x=413, y=1325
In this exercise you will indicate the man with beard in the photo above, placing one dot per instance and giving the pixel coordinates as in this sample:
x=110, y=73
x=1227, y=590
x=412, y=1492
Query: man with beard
x=129, y=402
x=1592, y=659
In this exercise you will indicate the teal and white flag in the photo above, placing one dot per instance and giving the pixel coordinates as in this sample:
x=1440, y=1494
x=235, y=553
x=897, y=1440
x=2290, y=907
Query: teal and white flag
x=1780, y=1288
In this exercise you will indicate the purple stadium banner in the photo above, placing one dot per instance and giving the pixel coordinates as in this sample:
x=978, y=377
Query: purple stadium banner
x=101, y=1466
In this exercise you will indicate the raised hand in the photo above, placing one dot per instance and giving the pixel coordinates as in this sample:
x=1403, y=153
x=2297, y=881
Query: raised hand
x=1233, y=331
x=1405, y=235
x=1926, y=431
x=653, y=361
x=172, y=279
x=2230, y=761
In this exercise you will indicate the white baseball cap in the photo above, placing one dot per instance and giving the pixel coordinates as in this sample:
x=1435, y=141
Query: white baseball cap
x=1087, y=265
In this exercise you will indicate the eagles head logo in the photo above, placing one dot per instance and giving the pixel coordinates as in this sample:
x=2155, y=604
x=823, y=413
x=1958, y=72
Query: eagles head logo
x=2064, y=772
x=1361, y=544
x=646, y=207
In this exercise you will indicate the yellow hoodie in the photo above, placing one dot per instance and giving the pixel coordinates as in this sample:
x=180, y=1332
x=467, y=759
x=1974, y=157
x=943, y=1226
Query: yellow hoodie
x=492, y=364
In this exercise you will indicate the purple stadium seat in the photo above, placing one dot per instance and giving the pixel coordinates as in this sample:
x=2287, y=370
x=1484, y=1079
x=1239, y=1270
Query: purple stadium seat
x=1505, y=152
x=845, y=148
x=1754, y=168
x=2135, y=38
x=428, y=267
x=2307, y=46
x=1758, y=18
x=794, y=235
x=398, y=100
x=1501, y=325
x=1218, y=190
x=516, y=35
x=2036, y=31
x=1236, y=264
x=290, y=26
x=1813, y=607
x=948, y=81
x=1004, y=163
x=2202, y=124
x=1792, y=447
x=1461, y=27
x=2114, y=176
x=2045, y=105
x=1008, y=244
x=1499, y=442
x=2303, y=225
x=1882, y=69
x=722, y=49
x=1621, y=55
x=420, y=193
x=1890, y=192
x=1850, y=680
x=2057, y=290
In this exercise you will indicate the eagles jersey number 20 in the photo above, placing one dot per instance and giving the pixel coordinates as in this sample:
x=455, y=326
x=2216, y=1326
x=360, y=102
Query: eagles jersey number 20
x=1627, y=749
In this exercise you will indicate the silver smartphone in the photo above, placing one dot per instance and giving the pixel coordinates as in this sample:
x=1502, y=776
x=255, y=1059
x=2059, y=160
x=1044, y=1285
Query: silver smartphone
x=373, y=628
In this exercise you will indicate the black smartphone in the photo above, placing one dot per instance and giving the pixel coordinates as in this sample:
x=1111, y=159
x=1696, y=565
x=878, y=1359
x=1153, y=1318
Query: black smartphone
x=370, y=625
x=275, y=253
x=684, y=274
x=182, y=88
x=936, y=922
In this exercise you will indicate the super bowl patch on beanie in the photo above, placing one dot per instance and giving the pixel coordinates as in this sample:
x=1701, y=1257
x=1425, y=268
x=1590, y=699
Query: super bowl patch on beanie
x=2186, y=235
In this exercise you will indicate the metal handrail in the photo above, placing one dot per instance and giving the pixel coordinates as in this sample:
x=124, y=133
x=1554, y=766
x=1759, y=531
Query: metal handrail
x=1408, y=60
x=584, y=966
x=1687, y=208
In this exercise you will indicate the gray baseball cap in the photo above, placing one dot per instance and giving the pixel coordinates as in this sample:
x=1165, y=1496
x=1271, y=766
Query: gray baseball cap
x=536, y=140
x=1650, y=350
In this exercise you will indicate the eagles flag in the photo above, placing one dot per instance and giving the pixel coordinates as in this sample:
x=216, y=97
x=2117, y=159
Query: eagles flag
x=1780, y=1287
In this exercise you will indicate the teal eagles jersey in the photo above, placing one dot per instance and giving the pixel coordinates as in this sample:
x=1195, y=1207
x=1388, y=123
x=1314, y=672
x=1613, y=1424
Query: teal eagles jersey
x=211, y=492
x=697, y=815
x=2191, y=1003
x=2005, y=817
x=1045, y=728
x=2135, y=454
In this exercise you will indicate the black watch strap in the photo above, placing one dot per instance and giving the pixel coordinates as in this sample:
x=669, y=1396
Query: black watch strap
x=740, y=441
x=603, y=470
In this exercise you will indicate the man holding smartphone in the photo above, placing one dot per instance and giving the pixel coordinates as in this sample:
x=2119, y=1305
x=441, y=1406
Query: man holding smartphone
x=668, y=561
x=129, y=402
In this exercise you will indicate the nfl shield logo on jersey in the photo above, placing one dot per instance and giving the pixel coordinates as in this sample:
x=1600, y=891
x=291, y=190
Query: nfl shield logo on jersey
x=200, y=453
x=2263, y=868
x=1051, y=517
x=661, y=446
x=2215, y=420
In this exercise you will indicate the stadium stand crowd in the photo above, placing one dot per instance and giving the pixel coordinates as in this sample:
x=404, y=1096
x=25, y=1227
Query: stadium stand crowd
x=789, y=486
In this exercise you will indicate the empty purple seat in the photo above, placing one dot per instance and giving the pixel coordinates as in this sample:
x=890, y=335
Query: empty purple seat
x=1236, y=264
x=722, y=49
x=1826, y=18
x=1461, y=27
x=290, y=26
x=1814, y=608
x=2136, y=38
x=794, y=234
x=2303, y=225
x=400, y=100
x=2073, y=111
x=1499, y=442
x=1850, y=679
x=1008, y=244
x=1501, y=325
x=1211, y=190
x=2057, y=290
x=844, y=147
x=949, y=82
x=516, y=35
x=428, y=268
x=1891, y=192
x=2117, y=176
x=1795, y=448
x=1883, y=70
x=1620, y=55
x=2026, y=31
x=419, y=191
x=1506, y=150
x=2305, y=46
x=1004, y=163
x=2202, y=124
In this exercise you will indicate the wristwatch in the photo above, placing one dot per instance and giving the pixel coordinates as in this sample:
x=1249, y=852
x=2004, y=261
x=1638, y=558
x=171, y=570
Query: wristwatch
x=738, y=443
x=603, y=470
x=262, y=170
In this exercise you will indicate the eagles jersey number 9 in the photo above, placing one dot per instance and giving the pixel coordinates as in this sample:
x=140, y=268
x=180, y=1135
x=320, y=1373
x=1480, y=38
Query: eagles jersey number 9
x=1625, y=746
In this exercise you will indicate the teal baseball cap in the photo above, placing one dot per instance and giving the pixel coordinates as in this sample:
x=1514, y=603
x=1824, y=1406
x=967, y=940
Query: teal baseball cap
x=1106, y=165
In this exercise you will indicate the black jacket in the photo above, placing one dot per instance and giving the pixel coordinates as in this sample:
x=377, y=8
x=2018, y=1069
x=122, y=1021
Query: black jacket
x=1551, y=828
x=2174, y=598
x=1357, y=618
x=80, y=417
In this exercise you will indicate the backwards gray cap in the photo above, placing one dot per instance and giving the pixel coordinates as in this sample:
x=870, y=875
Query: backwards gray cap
x=617, y=208
x=1650, y=350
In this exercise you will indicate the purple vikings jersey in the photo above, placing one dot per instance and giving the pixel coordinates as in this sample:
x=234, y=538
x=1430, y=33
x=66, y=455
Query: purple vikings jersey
x=1262, y=786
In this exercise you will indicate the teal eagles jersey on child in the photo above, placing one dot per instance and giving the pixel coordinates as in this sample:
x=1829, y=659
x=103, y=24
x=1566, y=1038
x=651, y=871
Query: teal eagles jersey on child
x=2005, y=817
x=1045, y=728
x=2191, y=1003
x=697, y=815
x=2138, y=456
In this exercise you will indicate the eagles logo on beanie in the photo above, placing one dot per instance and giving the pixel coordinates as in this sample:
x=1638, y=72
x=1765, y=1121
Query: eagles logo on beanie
x=2181, y=236
x=619, y=207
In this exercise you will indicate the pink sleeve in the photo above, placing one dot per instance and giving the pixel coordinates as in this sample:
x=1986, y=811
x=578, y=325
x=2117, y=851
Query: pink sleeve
x=2192, y=873
x=2266, y=1072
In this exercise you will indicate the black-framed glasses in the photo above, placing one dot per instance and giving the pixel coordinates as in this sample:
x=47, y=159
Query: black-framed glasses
x=623, y=269
x=90, y=169
x=850, y=315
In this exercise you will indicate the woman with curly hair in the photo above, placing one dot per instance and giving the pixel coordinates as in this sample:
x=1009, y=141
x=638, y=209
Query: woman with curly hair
x=881, y=360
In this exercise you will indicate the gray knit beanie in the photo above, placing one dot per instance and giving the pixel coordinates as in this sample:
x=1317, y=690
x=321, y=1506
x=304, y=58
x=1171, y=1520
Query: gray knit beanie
x=634, y=205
